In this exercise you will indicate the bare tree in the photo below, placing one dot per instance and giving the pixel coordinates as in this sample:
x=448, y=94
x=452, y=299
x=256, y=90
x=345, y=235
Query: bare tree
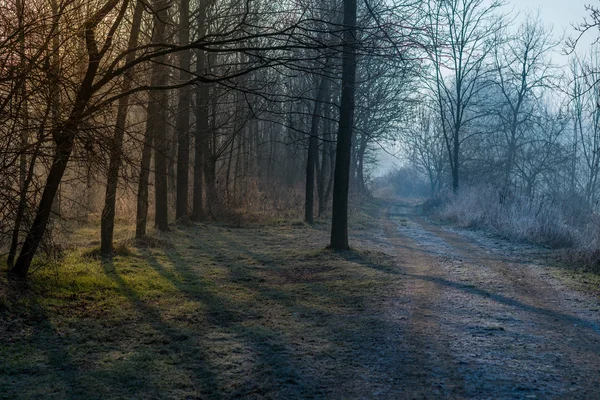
x=523, y=69
x=461, y=39
x=585, y=89
x=107, y=221
x=183, y=114
x=424, y=144
x=339, y=222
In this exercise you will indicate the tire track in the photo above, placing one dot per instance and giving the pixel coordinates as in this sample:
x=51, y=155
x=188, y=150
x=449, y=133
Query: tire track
x=484, y=324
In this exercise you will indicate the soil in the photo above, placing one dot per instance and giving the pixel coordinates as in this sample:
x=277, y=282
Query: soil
x=417, y=310
x=484, y=318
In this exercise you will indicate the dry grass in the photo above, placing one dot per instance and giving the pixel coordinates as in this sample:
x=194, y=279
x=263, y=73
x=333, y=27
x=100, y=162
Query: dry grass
x=539, y=220
x=566, y=225
x=208, y=312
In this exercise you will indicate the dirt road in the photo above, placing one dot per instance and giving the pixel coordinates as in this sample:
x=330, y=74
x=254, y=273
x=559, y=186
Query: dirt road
x=484, y=319
x=417, y=310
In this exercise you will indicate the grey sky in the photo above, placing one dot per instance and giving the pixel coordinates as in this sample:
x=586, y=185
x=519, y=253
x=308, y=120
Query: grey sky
x=560, y=14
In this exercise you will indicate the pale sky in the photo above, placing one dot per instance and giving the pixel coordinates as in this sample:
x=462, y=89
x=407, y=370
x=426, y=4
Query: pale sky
x=559, y=14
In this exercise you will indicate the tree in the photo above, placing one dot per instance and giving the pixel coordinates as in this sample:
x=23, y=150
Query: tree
x=461, y=38
x=92, y=64
x=313, y=142
x=522, y=68
x=107, y=221
x=201, y=115
x=339, y=219
x=158, y=119
x=64, y=134
x=183, y=114
x=424, y=144
x=585, y=88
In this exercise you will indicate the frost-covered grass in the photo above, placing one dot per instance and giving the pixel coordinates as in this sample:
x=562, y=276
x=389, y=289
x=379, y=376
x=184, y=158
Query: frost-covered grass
x=549, y=222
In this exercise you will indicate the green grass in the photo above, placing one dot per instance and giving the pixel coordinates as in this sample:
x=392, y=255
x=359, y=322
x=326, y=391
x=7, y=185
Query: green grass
x=210, y=312
x=577, y=277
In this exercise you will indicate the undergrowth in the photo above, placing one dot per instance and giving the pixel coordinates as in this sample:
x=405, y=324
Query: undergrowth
x=565, y=224
x=205, y=311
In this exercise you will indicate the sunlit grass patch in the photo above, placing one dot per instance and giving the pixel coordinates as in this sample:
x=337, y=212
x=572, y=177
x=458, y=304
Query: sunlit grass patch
x=204, y=311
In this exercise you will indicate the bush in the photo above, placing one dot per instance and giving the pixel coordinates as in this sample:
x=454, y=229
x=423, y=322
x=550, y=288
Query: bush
x=557, y=223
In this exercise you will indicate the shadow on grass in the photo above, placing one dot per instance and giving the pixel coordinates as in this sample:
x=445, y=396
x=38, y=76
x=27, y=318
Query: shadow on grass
x=271, y=369
x=304, y=332
x=21, y=374
x=175, y=342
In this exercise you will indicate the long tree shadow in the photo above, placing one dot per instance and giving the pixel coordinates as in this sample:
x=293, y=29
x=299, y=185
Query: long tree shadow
x=175, y=341
x=22, y=379
x=268, y=347
x=338, y=317
x=471, y=289
x=427, y=366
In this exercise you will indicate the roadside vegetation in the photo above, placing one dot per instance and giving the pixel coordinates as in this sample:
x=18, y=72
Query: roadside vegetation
x=567, y=225
x=205, y=311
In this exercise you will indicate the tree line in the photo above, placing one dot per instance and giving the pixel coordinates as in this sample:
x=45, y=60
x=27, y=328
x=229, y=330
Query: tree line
x=192, y=108
x=500, y=109
x=189, y=105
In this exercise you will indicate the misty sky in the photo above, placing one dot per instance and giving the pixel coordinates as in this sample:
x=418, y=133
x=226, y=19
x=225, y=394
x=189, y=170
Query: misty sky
x=560, y=14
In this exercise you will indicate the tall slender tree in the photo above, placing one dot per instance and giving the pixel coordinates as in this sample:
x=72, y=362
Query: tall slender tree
x=339, y=219
x=313, y=143
x=107, y=222
x=183, y=115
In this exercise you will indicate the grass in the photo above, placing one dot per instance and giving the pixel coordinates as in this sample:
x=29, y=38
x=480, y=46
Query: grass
x=209, y=312
x=580, y=279
x=572, y=244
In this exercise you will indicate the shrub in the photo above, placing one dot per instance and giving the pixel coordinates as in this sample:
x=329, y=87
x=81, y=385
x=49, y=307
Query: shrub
x=554, y=222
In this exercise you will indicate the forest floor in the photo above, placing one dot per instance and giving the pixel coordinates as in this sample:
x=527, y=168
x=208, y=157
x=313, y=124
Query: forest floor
x=417, y=310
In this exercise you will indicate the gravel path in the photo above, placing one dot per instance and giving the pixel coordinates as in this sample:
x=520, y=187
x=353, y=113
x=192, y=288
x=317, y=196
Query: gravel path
x=484, y=319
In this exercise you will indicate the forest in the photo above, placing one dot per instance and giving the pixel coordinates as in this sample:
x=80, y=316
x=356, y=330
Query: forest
x=192, y=201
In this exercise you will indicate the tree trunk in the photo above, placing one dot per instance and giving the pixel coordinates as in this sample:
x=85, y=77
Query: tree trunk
x=325, y=175
x=228, y=171
x=339, y=222
x=21, y=208
x=52, y=76
x=455, y=164
x=202, y=127
x=64, y=139
x=183, y=115
x=331, y=155
x=159, y=120
x=238, y=162
x=161, y=193
x=211, y=157
x=313, y=151
x=154, y=137
x=360, y=174
x=64, y=147
x=107, y=221
x=210, y=174
x=24, y=176
x=142, y=192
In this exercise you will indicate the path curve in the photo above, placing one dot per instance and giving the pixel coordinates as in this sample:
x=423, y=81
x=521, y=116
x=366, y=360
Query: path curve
x=485, y=319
